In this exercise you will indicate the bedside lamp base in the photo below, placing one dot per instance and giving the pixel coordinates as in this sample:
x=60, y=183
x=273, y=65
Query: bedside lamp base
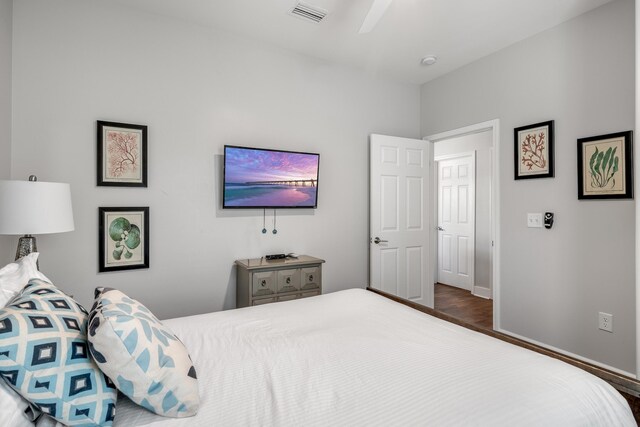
x=26, y=245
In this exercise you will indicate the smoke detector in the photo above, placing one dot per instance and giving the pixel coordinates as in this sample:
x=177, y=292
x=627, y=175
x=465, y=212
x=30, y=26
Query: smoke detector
x=308, y=13
x=429, y=60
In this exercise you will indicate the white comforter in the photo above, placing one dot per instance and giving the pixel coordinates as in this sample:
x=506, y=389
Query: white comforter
x=354, y=358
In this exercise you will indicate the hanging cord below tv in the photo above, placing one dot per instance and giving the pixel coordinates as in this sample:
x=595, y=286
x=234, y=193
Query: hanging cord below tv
x=275, y=231
x=264, y=221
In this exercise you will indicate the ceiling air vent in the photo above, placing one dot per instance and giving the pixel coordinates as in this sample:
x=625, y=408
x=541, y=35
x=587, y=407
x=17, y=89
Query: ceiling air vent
x=309, y=13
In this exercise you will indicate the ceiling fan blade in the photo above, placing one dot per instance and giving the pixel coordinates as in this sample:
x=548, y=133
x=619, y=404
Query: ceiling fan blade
x=375, y=13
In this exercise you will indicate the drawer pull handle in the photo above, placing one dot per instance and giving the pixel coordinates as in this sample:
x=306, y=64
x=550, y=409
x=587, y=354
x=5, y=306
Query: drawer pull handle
x=263, y=283
x=288, y=280
x=311, y=277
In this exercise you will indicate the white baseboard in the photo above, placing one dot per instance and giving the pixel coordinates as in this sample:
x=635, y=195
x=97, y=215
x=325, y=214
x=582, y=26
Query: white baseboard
x=567, y=353
x=482, y=292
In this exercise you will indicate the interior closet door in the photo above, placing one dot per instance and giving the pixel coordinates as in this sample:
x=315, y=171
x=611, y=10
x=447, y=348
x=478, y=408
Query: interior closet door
x=456, y=220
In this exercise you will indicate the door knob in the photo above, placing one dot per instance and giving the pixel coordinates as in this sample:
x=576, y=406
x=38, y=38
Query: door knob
x=439, y=228
x=378, y=240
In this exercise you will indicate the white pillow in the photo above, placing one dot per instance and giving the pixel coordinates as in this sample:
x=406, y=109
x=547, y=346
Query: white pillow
x=15, y=276
x=12, y=410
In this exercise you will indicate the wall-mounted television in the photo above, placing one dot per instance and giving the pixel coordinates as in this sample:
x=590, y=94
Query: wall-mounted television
x=275, y=179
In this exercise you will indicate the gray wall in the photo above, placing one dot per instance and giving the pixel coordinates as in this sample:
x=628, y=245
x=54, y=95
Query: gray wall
x=554, y=283
x=6, y=8
x=78, y=61
x=637, y=185
x=480, y=143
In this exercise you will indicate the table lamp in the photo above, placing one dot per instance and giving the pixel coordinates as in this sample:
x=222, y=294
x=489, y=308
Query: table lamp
x=32, y=207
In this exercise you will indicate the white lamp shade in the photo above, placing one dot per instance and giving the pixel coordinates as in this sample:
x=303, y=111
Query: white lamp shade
x=33, y=207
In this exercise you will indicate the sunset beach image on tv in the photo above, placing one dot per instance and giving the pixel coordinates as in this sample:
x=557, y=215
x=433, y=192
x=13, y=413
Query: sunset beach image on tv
x=260, y=178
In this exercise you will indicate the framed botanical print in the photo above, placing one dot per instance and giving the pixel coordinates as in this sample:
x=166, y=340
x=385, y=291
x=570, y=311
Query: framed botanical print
x=605, y=166
x=122, y=155
x=123, y=238
x=533, y=151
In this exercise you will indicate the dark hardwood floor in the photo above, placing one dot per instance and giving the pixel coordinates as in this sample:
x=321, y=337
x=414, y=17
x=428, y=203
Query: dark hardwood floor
x=463, y=305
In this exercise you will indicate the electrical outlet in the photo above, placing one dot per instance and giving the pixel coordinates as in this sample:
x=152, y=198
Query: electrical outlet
x=534, y=220
x=605, y=321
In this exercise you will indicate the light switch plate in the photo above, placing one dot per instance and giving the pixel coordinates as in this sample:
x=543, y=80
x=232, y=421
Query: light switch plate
x=534, y=220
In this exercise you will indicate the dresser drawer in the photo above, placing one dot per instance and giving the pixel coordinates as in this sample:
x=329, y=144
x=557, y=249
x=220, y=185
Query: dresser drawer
x=263, y=301
x=264, y=283
x=309, y=294
x=288, y=297
x=310, y=278
x=288, y=280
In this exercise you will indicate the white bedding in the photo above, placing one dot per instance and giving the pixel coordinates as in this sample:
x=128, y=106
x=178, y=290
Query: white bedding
x=355, y=358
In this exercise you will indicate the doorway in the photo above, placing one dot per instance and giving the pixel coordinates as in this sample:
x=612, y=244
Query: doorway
x=403, y=215
x=465, y=216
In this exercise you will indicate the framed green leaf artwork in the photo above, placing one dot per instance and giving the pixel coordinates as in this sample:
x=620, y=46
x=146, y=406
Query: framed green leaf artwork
x=605, y=166
x=123, y=238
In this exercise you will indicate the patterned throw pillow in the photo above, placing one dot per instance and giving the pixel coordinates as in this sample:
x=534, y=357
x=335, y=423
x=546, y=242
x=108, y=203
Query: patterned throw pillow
x=145, y=360
x=15, y=410
x=44, y=356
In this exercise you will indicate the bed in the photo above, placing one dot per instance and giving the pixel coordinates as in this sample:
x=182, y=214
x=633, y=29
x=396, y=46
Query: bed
x=356, y=358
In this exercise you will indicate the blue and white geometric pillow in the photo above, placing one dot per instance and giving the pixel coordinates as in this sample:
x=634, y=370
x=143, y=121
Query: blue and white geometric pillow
x=144, y=358
x=44, y=356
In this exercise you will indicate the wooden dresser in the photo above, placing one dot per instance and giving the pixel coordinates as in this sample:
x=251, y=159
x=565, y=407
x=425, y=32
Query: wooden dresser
x=259, y=281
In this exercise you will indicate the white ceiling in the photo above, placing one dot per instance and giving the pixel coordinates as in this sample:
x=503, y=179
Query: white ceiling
x=457, y=31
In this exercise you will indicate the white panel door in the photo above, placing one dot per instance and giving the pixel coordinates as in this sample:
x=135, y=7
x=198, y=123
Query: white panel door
x=399, y=240
x=456, y=220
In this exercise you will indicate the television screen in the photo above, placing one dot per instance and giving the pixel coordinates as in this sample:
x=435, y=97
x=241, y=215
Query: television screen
x=260, y=178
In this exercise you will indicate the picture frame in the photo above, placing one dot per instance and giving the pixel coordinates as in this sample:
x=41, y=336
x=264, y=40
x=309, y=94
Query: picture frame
x=122, y=154
x=533, y=151
x=605, y=166
x=123, y=238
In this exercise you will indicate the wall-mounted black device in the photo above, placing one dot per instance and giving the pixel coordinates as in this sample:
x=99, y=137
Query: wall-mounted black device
x=548, y=219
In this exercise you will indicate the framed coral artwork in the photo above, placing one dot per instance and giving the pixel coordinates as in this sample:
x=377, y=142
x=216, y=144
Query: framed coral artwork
x=605, y=166
x=122, y=154
x=123, y=238
x=533, y=154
